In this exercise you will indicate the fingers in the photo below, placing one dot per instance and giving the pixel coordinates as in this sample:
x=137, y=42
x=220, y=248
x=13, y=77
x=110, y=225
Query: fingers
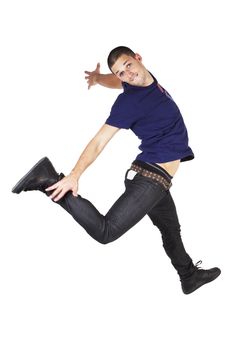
x=61, y=188
x=98, y=68
x=75, y=190
x=58, y=194
x=90, y=83
x=90, y=80
x=53, y=187
x=91, y=76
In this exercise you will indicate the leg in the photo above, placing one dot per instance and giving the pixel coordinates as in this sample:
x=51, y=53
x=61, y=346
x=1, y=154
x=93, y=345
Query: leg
x=141, y=194
x=164, y=216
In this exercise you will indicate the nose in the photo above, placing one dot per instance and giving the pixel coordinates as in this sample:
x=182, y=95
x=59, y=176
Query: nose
x=130, y=74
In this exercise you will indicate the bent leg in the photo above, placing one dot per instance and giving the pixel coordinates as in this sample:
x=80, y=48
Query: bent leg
x=141, y=194
x=164, y=216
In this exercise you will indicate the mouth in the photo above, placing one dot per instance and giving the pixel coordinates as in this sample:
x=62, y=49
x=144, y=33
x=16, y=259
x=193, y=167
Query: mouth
x=133, y=77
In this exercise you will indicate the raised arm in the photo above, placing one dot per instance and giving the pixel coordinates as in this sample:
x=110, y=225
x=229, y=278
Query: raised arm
x=106, y=80
x=88, y=156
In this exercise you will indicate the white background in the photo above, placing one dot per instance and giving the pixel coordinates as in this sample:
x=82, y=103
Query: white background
x=60, y=289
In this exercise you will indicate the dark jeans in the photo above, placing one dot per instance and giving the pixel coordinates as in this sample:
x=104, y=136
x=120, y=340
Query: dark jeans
x=142, y=196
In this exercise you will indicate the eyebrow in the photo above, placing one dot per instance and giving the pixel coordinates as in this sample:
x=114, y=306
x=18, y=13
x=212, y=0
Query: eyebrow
x=123, y=65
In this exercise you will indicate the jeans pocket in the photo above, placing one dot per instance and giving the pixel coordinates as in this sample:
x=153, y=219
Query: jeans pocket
x=130, y=174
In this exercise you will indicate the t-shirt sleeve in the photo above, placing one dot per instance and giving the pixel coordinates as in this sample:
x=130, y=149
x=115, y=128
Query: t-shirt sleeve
x=121, y=114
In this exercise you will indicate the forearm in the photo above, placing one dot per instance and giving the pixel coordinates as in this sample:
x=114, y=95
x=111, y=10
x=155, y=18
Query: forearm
x=94, y=148
x=109, y=81
x=87, y=157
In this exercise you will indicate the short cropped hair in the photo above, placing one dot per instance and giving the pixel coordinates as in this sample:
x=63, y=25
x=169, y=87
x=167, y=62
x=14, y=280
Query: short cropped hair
x=116, y=53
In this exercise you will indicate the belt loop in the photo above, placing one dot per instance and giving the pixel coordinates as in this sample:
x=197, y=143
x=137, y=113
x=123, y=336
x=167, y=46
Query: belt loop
x=126, y=174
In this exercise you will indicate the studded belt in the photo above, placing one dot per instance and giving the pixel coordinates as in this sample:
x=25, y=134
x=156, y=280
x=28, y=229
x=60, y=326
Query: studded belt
x=150, y=174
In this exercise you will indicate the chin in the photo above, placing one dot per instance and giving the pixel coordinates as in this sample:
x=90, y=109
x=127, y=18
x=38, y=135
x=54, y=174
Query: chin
x=139, y=83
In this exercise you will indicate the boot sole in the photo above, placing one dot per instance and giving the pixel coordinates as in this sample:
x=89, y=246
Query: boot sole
x=20, y=184
x=212, y=279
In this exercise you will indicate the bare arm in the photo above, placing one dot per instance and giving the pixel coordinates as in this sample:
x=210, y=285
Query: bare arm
x=109, y=81
x=94, y=148
x=106, y=80
x=88, y=156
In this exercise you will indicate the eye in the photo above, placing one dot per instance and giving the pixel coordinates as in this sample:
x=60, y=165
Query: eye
x=121, y=74
x=128, y=65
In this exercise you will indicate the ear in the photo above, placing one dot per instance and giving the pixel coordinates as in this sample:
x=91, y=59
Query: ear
x=138, y=57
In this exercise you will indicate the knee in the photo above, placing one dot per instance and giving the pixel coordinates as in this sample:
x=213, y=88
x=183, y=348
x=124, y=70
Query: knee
x=107, y=237
x=106, y=234
x=104, y=240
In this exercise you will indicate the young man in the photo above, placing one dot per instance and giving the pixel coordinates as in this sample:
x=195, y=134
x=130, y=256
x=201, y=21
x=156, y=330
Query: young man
x=148, y=110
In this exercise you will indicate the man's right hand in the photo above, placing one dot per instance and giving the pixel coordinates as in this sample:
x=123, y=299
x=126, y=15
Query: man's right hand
x=68, y=183
x=92, y=76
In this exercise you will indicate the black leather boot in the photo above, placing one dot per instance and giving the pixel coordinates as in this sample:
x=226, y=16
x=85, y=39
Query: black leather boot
x=198, y=278
x=41, y=176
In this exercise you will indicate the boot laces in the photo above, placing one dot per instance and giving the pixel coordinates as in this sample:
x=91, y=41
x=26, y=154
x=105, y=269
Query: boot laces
x=197, y=265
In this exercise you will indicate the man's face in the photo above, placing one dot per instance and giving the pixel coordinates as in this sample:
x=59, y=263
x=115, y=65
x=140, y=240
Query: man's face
x=130, y=70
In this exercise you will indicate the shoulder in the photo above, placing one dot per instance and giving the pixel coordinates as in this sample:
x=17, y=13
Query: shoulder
x=125, y=105
x=123, y=100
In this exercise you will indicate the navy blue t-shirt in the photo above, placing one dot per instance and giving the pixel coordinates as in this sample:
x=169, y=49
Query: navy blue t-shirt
x=153, y=116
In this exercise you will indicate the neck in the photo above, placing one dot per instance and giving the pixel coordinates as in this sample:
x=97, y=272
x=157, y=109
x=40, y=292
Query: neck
x=149, y=79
